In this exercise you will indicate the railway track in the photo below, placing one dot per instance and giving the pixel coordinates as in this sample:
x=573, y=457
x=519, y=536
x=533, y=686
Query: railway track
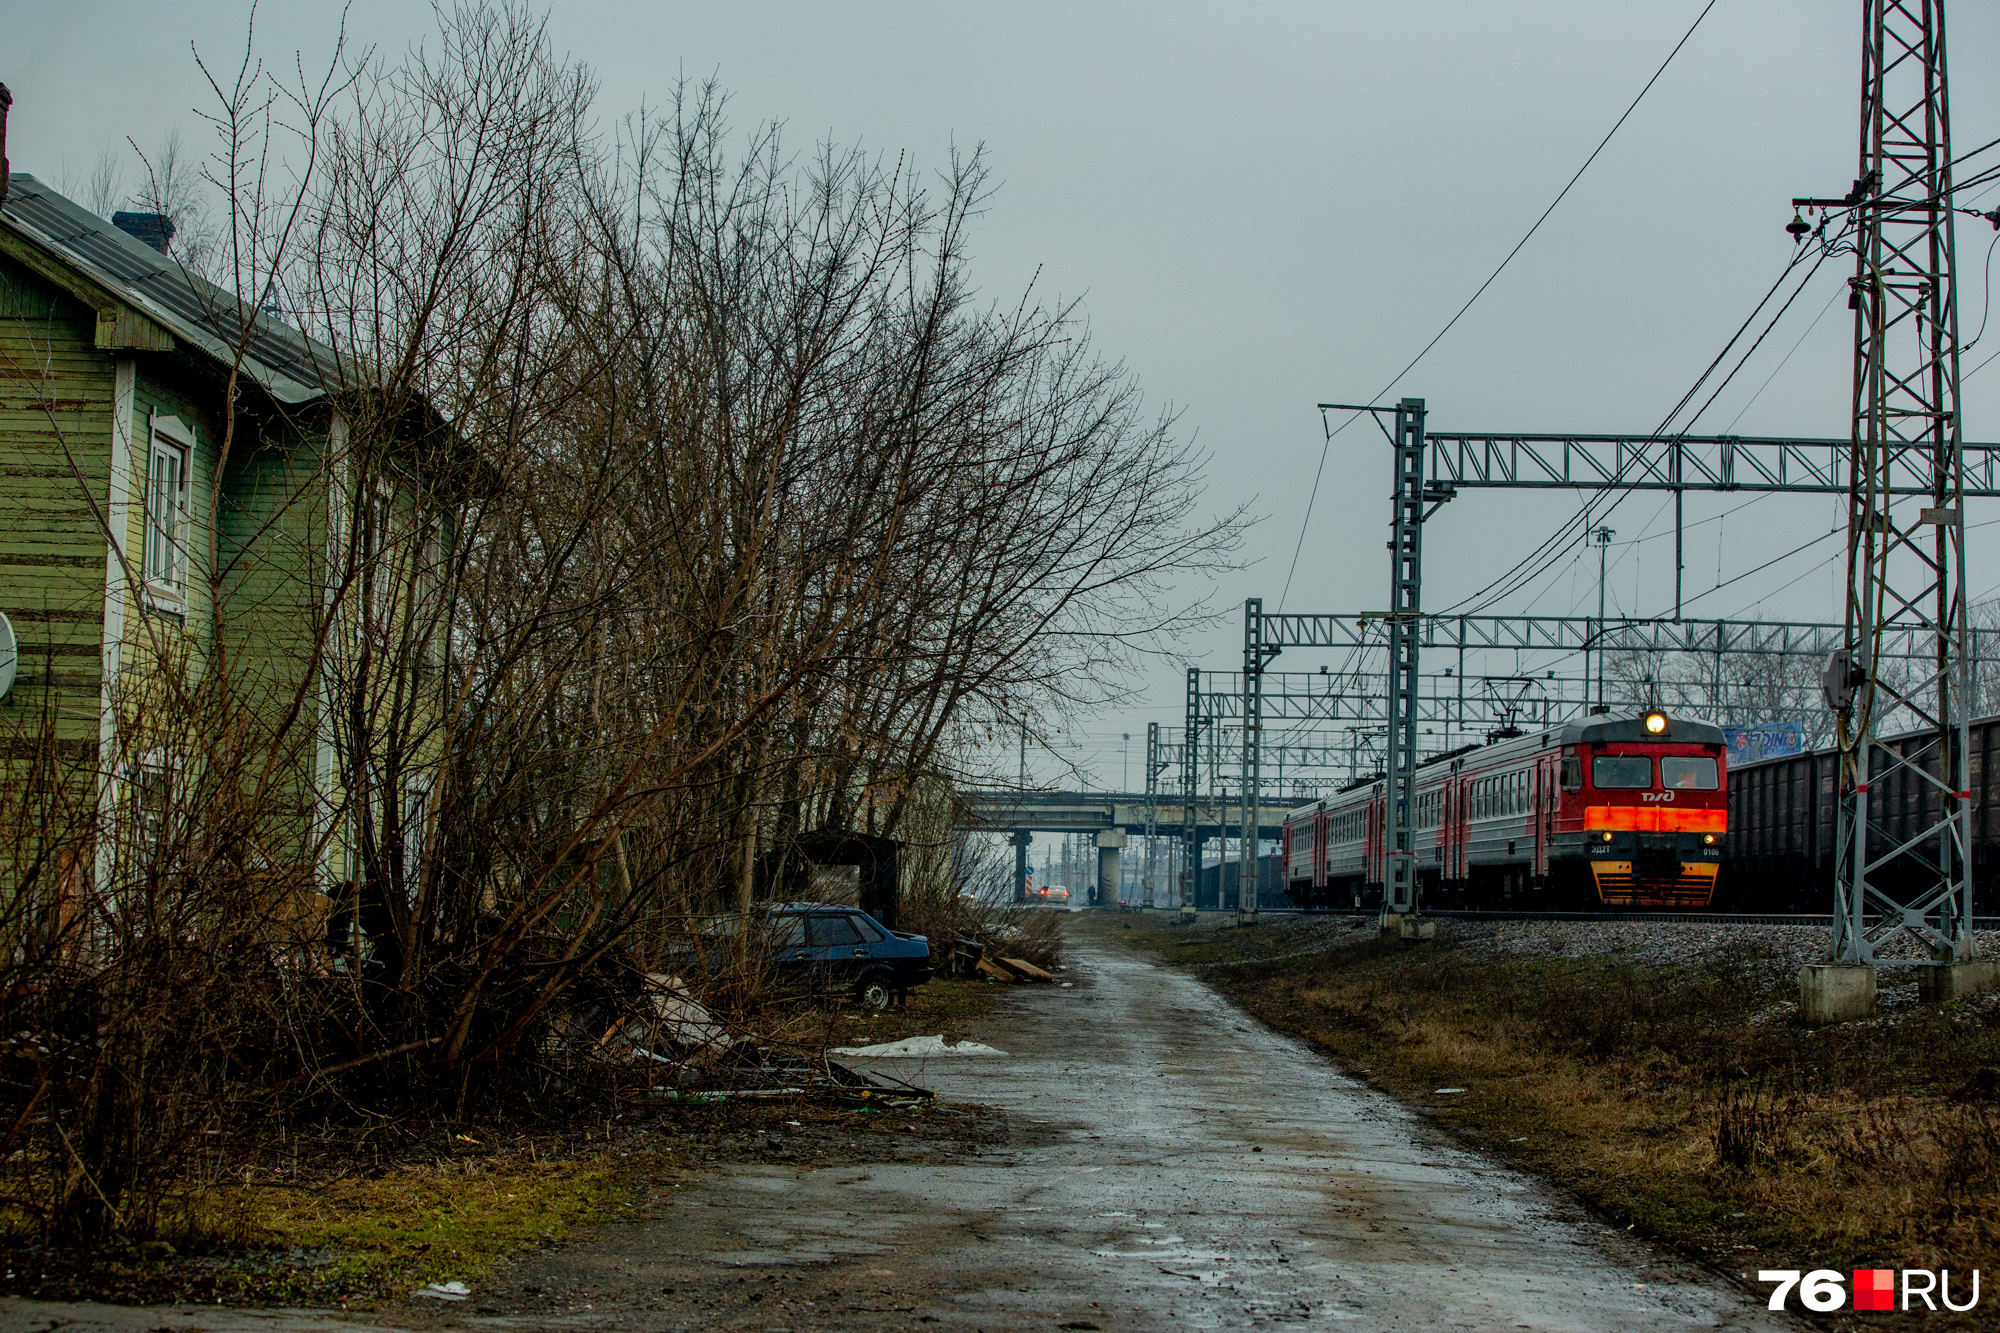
x=1692, y=918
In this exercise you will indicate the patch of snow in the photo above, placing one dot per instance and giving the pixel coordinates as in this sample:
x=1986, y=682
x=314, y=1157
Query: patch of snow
x=913, y=1047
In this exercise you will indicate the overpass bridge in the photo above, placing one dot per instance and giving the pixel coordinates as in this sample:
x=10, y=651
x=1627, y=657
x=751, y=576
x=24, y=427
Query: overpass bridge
x=1005, y=811
x=1111, y=817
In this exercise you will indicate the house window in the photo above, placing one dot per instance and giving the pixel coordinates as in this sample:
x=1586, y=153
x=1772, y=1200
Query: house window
x=150, y=785
x=167, y=511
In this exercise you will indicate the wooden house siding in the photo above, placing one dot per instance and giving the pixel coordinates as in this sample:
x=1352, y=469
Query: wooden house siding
x=56, y=405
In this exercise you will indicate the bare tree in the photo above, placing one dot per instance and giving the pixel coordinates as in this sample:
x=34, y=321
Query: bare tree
x=672, y=496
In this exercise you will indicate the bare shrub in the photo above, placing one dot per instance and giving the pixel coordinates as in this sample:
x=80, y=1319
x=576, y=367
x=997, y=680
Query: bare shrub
x=973, y=908
x=669, y=497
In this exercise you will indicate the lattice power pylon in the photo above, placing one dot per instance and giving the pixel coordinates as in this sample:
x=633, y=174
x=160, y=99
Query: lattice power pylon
x=1905, y=552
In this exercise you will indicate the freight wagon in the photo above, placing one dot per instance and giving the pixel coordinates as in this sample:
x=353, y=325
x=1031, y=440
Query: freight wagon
x=1779, y=854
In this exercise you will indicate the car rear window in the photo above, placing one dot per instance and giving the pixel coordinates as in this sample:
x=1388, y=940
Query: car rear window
x=1616, y=771
x=824, y=931
x=1690, y=773
x=868, y=932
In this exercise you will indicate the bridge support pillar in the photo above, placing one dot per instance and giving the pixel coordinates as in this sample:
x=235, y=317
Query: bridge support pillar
x=1109, y=844
x=1021, y=838
x=1836, y=992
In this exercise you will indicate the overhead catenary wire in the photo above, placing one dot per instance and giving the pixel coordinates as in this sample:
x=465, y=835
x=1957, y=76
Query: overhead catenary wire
x=1588, y=513
x=1327, y=443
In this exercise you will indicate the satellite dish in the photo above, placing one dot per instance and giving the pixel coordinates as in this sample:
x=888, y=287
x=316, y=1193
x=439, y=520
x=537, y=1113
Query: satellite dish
x=9, y=654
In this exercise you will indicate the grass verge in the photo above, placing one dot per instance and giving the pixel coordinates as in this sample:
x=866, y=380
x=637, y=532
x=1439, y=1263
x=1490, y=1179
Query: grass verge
x=345, y=1216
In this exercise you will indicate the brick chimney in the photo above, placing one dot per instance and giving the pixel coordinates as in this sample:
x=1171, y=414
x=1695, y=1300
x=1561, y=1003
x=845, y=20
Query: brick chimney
x=155, y=229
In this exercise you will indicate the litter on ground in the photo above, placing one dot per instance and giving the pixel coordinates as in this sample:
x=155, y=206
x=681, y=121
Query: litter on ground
x=445, y=1291
x=914, y=1046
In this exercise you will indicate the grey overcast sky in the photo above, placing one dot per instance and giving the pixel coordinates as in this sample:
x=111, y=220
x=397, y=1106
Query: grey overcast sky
x=1268, y=205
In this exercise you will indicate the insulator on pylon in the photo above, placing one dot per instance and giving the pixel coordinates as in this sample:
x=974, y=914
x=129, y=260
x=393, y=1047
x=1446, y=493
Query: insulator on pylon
x=1798, y=227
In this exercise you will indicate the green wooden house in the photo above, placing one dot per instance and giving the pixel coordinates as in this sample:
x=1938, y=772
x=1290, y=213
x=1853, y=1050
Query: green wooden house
x=136, y=551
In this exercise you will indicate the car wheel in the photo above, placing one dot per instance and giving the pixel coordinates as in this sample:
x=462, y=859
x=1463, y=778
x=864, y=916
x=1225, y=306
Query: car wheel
x=874, y=994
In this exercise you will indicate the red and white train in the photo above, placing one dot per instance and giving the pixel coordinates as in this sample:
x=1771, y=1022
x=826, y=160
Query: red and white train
x=1612, y=812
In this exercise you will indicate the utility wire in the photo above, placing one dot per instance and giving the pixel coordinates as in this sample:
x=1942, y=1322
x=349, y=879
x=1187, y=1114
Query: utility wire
x=1787, y=361
x=1588, y=514
x=1806, y=545
x=1490, y=278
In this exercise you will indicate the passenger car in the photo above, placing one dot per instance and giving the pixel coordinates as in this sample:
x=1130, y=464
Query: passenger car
x=1601, y=812
x=843, y=949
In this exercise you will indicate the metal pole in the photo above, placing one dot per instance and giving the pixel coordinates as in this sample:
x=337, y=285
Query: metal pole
x=1399, y=889
x=1603, y=536
x=1680, y=496
x=1255, y=654
x=1152, y=812
x=1215, y=804
x=1190, y=779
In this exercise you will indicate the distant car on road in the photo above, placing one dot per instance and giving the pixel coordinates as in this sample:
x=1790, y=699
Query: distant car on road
x=1049, y=895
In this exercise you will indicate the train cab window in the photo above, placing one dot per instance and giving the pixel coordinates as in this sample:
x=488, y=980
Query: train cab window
x=1572, y=776
x=1688, y=773
x=1621, y=771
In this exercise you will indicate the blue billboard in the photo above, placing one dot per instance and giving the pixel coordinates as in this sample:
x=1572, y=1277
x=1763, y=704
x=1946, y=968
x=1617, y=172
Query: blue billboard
x=1763, y=740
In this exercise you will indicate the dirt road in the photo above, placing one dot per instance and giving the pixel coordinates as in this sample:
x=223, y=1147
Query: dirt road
x=1174, y=1164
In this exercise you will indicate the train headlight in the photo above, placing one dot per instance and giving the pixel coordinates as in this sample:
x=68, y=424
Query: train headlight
x=1708, y=839
x=1607, y=837
x=1656, y=724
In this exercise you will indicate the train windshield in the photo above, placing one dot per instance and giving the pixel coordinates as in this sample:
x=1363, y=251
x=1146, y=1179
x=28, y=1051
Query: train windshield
x=1688, y=774
x=1622, y=771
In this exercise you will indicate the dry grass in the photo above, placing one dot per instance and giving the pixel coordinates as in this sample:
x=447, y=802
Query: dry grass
x=360, y=1237
x=1653, y=1094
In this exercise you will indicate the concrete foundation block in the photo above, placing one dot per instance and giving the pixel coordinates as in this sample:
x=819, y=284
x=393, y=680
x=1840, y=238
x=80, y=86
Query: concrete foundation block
x=1836, y=992
x=1954, y=981
x=1408, y=925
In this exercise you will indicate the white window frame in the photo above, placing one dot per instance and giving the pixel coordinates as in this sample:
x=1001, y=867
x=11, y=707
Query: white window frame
x=157, y=773
x=164, y=553
x=415, y=827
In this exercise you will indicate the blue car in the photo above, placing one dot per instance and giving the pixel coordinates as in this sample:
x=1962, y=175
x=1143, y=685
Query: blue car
x=845, y=950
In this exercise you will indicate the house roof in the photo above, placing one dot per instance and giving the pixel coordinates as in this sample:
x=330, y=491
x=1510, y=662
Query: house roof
x=291, y=367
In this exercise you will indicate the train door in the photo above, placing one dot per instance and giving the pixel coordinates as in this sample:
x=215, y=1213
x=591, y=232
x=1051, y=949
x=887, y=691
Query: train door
x=1373, y=854
x=1542, y=803
x=1449, y=829
x=1461, y=811
x=1322, y=827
